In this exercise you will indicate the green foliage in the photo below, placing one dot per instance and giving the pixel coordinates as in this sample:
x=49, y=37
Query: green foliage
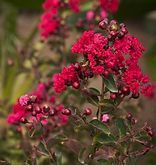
x=101, y=126
x=120, y=123
x=110, y=83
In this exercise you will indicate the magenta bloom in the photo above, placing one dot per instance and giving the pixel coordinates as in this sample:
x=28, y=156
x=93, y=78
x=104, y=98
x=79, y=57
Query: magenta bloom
x=49, y=23
x=74, y=5
x=105, y=118
x=67, y=77
x=23, y=100
x=110, y=5
x=90, y=15
x=17, y=114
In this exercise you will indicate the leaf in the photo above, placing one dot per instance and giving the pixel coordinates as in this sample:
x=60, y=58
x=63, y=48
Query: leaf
x=87, y=6
x=59, y=159
x=81, y=156
x=104, y=162
x=121, y=127
x=94, y=91
x=93, y=100
x=110, y=83
x=22, y=84
x=101, y=126
x=132, y=161
x=61, y=137
x=103, y=138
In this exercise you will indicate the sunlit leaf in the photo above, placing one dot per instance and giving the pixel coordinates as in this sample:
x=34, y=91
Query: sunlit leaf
x=110, y=83
x=121, y=127
x=104, y=138
x=101, y=126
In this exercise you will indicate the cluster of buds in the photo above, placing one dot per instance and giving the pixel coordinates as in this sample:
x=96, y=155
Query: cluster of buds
x=114, y=29
x=115, y=53
x=38, y=108
x=149, y=131
x=131, y=119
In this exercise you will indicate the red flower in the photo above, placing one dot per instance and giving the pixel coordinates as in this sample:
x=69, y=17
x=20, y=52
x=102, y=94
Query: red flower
x=49, y=4
x=59, y=83
x=17, y=114
x=74, y=5
x=67, y=77
x=110, y=5
x=49, y=23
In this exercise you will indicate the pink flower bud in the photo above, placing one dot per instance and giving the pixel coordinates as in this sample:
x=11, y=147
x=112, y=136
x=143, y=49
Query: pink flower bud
x=23, y=100
x=105, y=118
x=104, y=14
x=90, y=15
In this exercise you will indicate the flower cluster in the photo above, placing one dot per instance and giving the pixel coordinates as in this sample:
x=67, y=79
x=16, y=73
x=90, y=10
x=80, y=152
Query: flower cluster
x=38, y=108
x=51, y=18
x=110, y=5
x=117, y=53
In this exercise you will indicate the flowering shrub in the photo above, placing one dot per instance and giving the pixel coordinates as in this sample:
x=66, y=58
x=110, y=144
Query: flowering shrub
x=64, y=107
x=53, y=19
x=114, y=57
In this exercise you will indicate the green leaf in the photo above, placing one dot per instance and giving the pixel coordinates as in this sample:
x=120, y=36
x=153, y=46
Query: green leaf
x=61, y=137
x=103, y=138
x=87, y=6
x=104, y=162
x=93, y=100
x=59, y=159
x=121, y=127
x=81, y=156
x=86, y=153
x=22, y=84
x=101, y=126
x=110, y=83
x=94, y=91
x=132, y=161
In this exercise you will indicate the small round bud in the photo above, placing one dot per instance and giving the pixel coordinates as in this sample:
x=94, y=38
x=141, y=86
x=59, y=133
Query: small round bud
x=77, y=66
x=120, y=92
x=29, y=108
x=106, y=73
x=51, y=112
x=19, y=130
x=66, y=112
x=129, y=116
x=113, y=96
x=150, y=131
x=124, y=30
x=33, y=99
x=68, y=83
x=103, y=24
x=38, y=109
x=135, y=95
x=87, y=112
x=90, y=74
x=76, y=85
x=34, y=113
x=23, y=120
x=105, y=118
x=134, y=121
x=113, y=34
x=126, y=91
x=46, y=108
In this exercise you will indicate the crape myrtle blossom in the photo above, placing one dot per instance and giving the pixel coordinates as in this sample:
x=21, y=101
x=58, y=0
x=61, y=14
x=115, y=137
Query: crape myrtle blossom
x=51, y=17
x=38, y=107
x=117, y=53
x=109, y=5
